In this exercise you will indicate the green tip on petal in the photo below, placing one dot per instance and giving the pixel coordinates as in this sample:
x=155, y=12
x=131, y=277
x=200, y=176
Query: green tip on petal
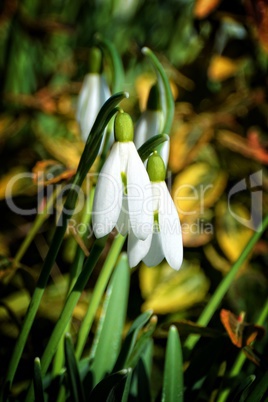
x=154, y=99
x=156, y=168
x=123, y=127
x=95, y=60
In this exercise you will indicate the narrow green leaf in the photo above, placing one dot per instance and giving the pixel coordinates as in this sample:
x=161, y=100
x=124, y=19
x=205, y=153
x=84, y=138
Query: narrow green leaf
x=130, y=339
x=149, y=146
x=104, y=389
x=109, y=333
x=173, y=372
x=116, y=63
x=223, y=287
x=144, y=393
x=168, y=101
x=142, y=343
x=125, y=397
x=86, y=161
x=37, y=380
x=98, y=291
x=74, y=380
x=244, y=388
x=259, y=390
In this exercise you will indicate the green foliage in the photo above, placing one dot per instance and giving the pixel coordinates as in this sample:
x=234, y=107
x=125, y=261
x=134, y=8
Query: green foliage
x=90, y=318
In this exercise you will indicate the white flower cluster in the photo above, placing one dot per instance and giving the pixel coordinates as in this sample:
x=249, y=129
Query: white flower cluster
x=127, y=197
x=136, y=203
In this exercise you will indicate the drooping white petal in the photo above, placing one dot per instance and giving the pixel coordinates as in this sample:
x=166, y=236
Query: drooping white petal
x=83, y=94
x=139, y=192
x=137, y=249
x=156, y=253
x=170, y=229
x=122, y=225
x=108, y=195
x=93, y=94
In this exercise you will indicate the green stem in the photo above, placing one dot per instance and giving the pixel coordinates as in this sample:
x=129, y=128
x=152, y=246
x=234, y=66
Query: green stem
x=116, y=62
x=39, y=220
x=75, y=270
x=68, y=309
x=87, y=159
x=223, y=287
x=39, y=290
x=169, y=101
x=97, y=293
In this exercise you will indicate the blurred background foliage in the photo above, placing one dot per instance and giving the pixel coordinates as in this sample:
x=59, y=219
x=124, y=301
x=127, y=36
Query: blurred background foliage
x=215, y=55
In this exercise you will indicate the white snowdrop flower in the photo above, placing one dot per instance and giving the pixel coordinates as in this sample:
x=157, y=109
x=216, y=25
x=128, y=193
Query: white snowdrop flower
x=151, y=123
x=166, y=239
x=93, y=94
x=122, y=187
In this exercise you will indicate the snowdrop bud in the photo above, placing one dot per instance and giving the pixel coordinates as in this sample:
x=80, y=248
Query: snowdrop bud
x=123, y=127
x=156, y=168
x=95, y=61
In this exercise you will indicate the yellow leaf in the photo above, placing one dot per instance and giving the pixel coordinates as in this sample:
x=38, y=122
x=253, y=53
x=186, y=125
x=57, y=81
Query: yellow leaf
x=166, y=290
x=187, y=139
x=222, y=67
x=203, y=8
x=197, y=188
x=232, y=236
x=15, y=182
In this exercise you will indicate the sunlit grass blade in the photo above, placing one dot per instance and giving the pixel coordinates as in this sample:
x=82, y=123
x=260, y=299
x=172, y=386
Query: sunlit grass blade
x=98, y=293
x=221, y=290
x=109, y=333
x=149, y=146
x=86, y=161
x=130, y=340
x=74, y=381
x=173, y=372
x=38, y=383
x=168, y=106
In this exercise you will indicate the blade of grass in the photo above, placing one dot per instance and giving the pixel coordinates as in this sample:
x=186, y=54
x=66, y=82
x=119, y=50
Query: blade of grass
x=173, y=371
x=98, y=293
x=68, y=308
x=37, y=380
x=74, y=380
x=221, y=290
x=130, y=340
x=86, y=161
x=109, y=333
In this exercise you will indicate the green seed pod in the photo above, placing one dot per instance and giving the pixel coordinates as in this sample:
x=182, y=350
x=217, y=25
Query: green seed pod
x=123, y=127
x=156, y=168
